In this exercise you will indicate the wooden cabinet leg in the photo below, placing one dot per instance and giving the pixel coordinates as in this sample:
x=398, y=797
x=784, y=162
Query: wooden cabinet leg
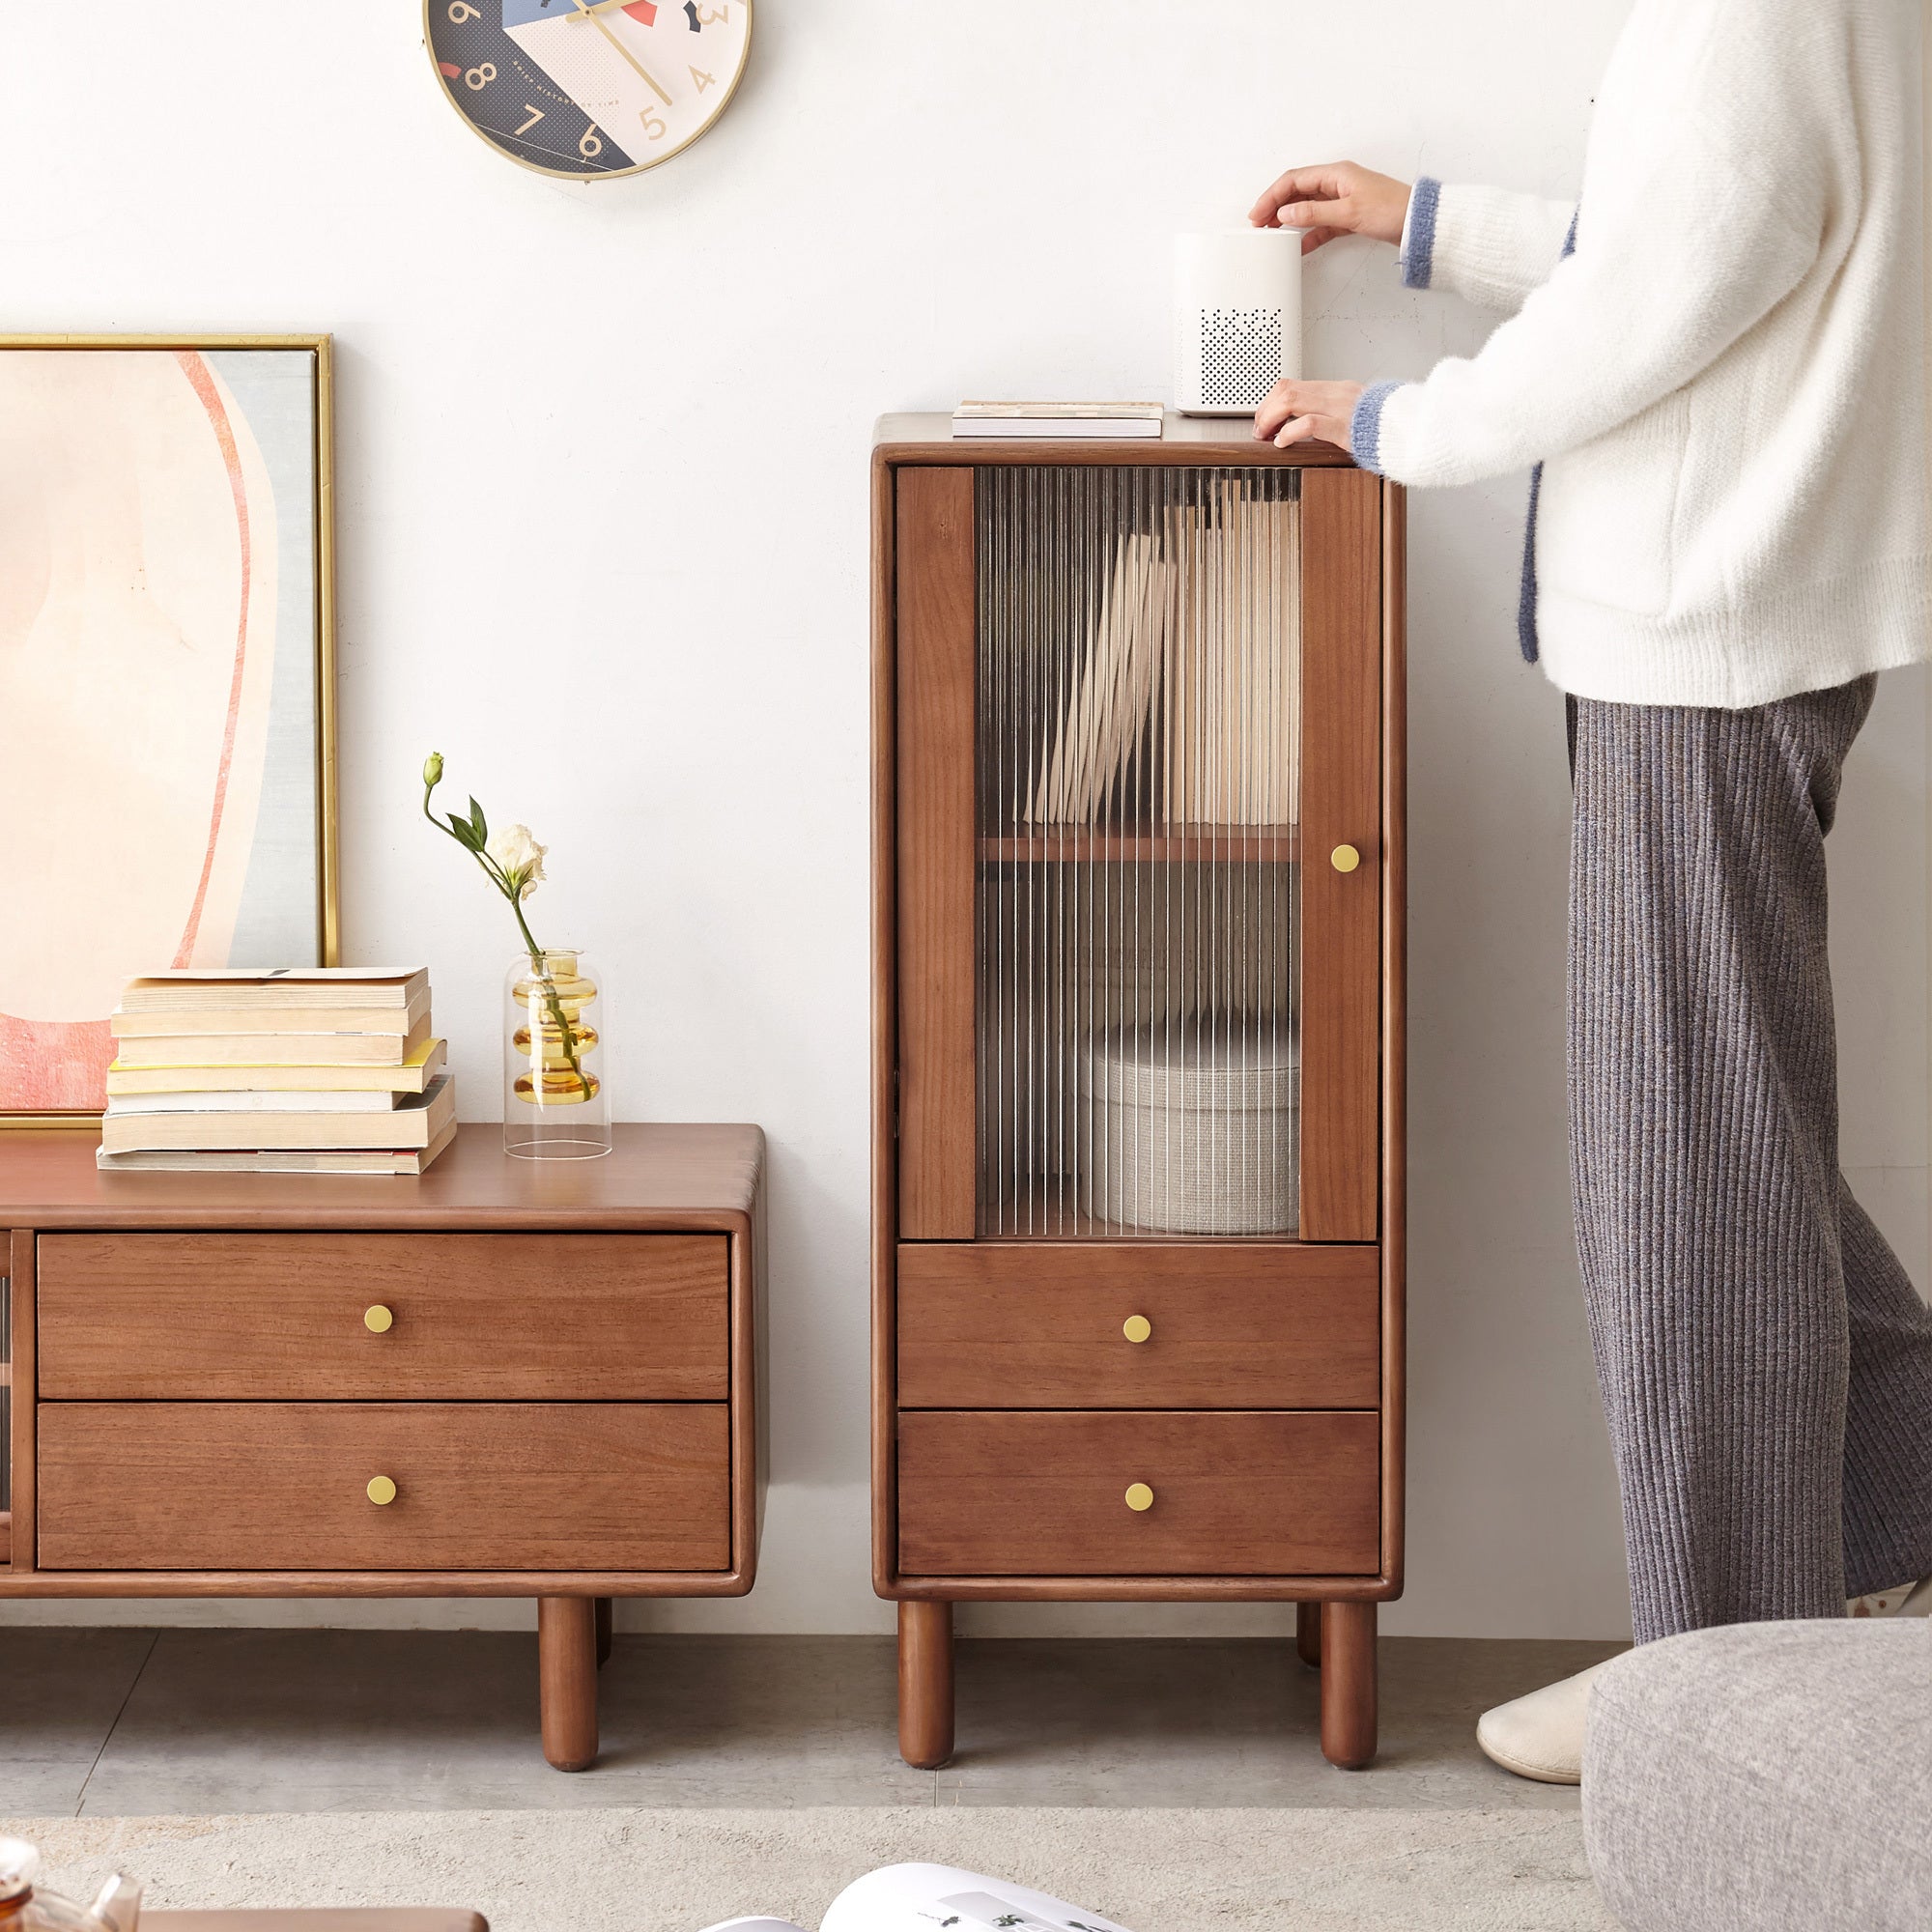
x=926, y=1683
x=1349, y=1684
x=567, y=1680
x=1308, y=1635
x=602, y=1630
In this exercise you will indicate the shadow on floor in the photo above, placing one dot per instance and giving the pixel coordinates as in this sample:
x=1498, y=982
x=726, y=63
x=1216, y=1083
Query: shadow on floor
x=122, y=1723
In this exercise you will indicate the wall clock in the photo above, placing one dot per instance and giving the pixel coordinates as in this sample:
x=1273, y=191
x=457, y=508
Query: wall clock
x=589, y=88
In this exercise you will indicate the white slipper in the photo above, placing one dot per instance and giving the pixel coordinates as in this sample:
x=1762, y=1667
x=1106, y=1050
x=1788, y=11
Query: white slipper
x=1903, y=1600
x=1541, y=1736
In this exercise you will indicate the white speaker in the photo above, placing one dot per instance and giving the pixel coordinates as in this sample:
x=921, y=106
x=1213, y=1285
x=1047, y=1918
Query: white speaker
x=1236, y=318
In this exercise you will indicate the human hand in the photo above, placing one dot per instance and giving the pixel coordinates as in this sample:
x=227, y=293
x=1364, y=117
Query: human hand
x=1297, y=412
x=1340, y=198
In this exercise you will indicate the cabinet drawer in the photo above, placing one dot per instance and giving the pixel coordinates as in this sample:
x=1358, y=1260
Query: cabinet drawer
x=514, y=1316
x=1044, y=1494
x=479, y=1486
x=1040, y=1326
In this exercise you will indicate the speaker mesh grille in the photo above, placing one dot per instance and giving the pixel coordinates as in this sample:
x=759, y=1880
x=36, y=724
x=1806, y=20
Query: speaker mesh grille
x=1240, y=356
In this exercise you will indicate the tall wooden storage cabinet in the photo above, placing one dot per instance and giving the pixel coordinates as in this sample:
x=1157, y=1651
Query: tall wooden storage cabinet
x=1138, y=1040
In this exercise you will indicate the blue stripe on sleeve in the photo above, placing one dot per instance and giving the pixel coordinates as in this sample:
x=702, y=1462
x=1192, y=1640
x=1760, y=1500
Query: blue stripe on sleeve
x=1417, y=260
x=1365, y=426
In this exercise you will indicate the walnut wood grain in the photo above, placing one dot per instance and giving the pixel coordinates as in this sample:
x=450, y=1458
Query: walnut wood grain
x=1349, y=1684
x=567, y=1680
x=936, y=647
x=1341, y=805
x=1211, y=1587
x=1045, y=1493
x=1394, y=1246
x=281, y=1485
x=885, y=1169
x=1308, y=1635
x=20, y=1270
x=908, y=440
x=319, y=1918
x=280, y=1318
x=669, y=1178
x=926, y=1683
x=1040, y=1326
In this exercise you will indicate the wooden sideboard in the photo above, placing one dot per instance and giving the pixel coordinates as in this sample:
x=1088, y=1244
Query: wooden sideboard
x=504, y=1378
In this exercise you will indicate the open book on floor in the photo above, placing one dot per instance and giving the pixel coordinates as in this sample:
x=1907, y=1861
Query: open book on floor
x=938, y=1898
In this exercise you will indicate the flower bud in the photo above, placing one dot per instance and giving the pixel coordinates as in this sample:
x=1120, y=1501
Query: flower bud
x=432, y=771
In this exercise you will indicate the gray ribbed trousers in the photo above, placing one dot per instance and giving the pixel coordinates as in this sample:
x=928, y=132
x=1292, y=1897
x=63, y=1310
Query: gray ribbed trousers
x=1766, y=1363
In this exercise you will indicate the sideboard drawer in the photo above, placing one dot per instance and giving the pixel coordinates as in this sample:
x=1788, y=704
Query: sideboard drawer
x=1233, y=1494
x=479, y=1486
x=287, y=1318
x=1043, y=1325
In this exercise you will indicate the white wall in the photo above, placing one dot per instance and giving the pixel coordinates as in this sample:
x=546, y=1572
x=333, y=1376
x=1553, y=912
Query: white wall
x=602, y=501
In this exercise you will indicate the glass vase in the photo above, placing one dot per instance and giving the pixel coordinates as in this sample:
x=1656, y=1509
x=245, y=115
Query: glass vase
x=556, y=1105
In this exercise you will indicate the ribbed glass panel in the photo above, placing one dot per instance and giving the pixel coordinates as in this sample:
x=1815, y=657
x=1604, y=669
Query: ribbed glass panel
x=1139, y=737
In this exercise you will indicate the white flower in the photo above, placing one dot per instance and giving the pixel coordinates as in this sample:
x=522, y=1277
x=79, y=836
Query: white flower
x=521, y=857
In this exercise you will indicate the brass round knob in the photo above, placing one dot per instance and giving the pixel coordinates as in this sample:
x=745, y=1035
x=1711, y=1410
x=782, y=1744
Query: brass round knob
x=1136, y=1327
x=1139, y=1497
x=378, y=1321
x=382, y=1490
x=1345, y=858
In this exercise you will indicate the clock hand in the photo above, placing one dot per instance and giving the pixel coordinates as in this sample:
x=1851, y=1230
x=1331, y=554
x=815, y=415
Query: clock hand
x=594, y=15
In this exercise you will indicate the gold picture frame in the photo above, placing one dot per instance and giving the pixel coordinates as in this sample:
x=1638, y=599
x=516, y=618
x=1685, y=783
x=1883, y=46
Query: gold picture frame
x=321, y=556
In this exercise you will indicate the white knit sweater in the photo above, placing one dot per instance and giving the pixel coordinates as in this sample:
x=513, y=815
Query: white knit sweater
x=1726, y=378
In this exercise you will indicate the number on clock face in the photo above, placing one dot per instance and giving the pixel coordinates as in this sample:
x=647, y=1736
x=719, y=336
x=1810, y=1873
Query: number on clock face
x=589, y=88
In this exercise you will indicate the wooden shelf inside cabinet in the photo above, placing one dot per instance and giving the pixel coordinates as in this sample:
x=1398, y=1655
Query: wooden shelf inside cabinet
x=1101, y=668
x=1205, y=844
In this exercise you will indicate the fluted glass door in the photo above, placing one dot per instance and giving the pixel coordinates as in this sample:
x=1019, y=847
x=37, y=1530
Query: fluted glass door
x=1138, y=742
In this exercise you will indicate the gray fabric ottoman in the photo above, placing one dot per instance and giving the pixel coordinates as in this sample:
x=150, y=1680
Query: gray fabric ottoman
x=1766, y=1777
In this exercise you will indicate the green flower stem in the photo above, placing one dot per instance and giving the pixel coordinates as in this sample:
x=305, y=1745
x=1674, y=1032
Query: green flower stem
x=539, y=961
x=509, y=888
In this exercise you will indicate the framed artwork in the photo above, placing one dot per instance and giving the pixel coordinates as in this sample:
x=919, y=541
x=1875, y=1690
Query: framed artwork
x=167, y=758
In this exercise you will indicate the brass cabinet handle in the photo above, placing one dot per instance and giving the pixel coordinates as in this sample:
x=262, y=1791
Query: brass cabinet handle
x=1136, y=1327
x=1139, y=1497
x=382, y=1490
x=378, y=1321
x=1345, y=858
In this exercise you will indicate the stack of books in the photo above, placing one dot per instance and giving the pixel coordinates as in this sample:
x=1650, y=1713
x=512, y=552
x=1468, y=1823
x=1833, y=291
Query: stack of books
x=1190, y=669
x=312, y=1070
x=1058, y=419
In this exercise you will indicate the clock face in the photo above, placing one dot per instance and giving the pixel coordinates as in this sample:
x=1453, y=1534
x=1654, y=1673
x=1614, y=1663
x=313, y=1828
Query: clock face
x=588, y=88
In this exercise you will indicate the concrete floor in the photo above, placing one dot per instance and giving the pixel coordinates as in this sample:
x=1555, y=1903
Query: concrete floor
x=122, y=1721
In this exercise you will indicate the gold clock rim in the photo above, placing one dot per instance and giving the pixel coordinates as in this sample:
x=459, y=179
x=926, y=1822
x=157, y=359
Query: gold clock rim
x=609, y=173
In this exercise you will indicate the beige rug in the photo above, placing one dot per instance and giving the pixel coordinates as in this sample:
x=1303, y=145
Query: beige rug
x=679, y=1870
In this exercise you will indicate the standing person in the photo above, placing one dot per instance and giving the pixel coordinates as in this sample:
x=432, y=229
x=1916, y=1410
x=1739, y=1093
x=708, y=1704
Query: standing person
x=1715, y=363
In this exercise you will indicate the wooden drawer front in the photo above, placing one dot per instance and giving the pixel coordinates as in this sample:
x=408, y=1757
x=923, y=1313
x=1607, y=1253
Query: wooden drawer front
x=1041, y=1327
x=525, y=1318
x=479, y=1485
x=1008, y=1494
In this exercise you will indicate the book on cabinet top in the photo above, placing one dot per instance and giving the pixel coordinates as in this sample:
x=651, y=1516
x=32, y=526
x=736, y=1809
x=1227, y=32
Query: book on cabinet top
x=316, y=1100
x=415, y=1073
x=976, y=411
x=185, y=989
x=182, y=1022
x=416, y=1124
x=1070, y=420
x=287, y=1161
x=275, y=1049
